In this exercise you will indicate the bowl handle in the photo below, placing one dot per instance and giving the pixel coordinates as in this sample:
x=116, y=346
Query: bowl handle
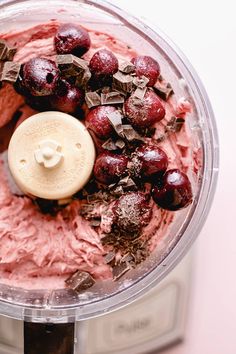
x=48, y=338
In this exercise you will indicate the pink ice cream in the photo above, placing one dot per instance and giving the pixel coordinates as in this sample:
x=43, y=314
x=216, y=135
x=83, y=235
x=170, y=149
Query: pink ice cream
x=41, y=251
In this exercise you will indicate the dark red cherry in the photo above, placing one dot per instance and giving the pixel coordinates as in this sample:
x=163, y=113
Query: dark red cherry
x=148, y=67
x=173, y=191
x=67, y=98
x=97, y=121
x=72, y=39
x=132, y=212
x=144, y=113
x=153, y=160
x=40, y=76
x=103, y=63
x=109, y=167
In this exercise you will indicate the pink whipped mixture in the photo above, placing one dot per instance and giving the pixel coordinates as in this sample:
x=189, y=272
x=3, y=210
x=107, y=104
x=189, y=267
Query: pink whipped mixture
x=40, y=251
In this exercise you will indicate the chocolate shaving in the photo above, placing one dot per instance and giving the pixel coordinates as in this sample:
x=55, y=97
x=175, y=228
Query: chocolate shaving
x=109, y=145
x=9, y=71
x=80, y=281
x=120, y=269
x=126, y=67
x=140, y=92
x=92, y=99
x=7, y=53
x=163, y=90
x=122, y=82
x=110, y=257
x=113, y=97
x=140, y=82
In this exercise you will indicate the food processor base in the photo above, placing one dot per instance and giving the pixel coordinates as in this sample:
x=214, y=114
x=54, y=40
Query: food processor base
x=149, y=324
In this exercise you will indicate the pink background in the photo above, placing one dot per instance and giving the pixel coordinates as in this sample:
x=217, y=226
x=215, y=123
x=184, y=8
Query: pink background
x=206, y=33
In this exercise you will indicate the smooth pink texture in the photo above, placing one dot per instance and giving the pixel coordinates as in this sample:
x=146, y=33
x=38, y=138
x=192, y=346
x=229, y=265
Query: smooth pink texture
x=40, y=251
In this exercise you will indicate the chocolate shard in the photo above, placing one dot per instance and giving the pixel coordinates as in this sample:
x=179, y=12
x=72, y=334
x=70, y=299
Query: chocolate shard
x=126, y=67
x=122, y=82
x=140, y=82
x=110, y=257
x=140, y=92
x=120, y=143
x=92, y=99
x=118, y=191
x=80, y=281
x=109, y=145
x=113, y=97
x=163, y=89
x=9, y=71
x=120, y=269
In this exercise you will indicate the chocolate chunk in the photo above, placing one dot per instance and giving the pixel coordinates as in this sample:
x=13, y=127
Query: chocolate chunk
x=130, y=134
x=109, y=145
x=95, y=222
x=118, y=191
x=112, y=98
x=140, y=82
x=163, y=89
x=140, y=92
x=9, y=71
x=127, y=183
x=71, y=65
x=160, y=138
x=126, y=67
x=174, y=125
x=80, y=281
x=122, y=82
x=120, y=143
x=120, y=269
x=179, y=123
x=92, y=99
x=3, y=50
x=116, y=120
x=110, y=257
x=6, y=52
x=127, y=258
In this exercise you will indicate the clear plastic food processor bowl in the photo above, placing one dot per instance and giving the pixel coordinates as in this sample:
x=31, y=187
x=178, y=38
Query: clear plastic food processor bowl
x=64, y=305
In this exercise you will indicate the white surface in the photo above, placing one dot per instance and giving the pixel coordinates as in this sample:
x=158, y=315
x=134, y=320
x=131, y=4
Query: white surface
x=206, y=33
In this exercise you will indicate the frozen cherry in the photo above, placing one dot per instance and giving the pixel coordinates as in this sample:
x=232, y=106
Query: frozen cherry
x=40, y=76
x=173, y=191
x=153, y=160
x=144, y=113
x=103, y=64
x=148, y=67
x=67, y=98
x=72, y=39
x=97, y=121
x=109, y=167
x=131, y=213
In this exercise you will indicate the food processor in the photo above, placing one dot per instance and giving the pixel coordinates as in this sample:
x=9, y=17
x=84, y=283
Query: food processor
x=49, y=315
